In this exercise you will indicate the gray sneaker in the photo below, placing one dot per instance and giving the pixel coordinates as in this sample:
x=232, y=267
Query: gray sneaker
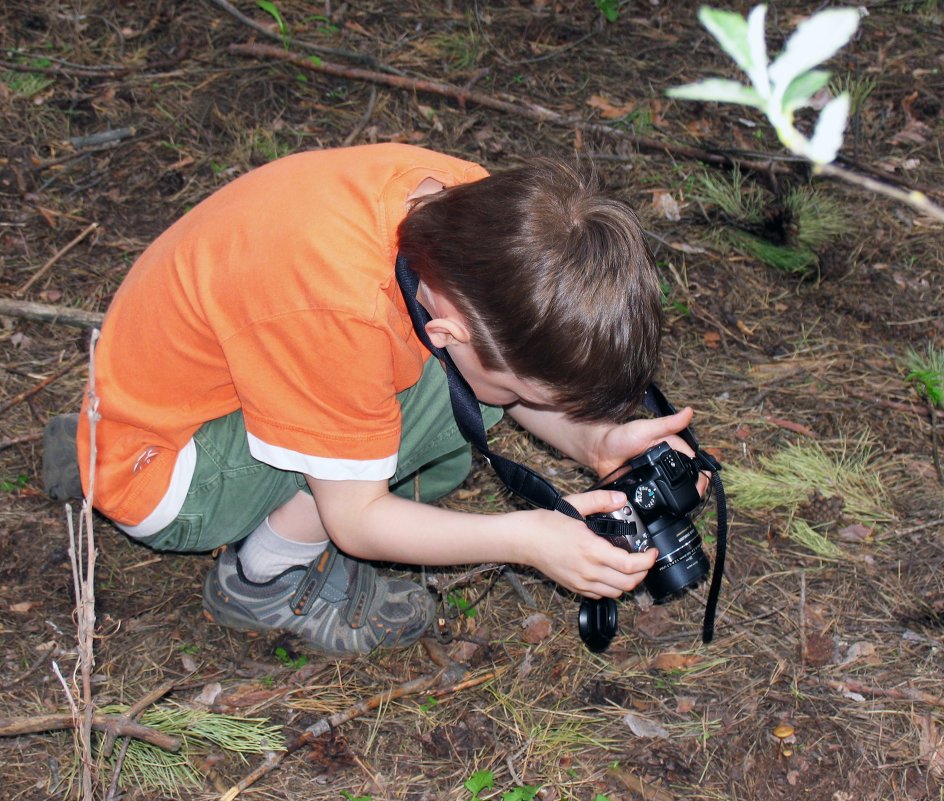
x=60, y=462
x=337, y=606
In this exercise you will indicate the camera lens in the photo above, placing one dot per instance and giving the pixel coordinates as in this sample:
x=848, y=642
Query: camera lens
x=682, y=562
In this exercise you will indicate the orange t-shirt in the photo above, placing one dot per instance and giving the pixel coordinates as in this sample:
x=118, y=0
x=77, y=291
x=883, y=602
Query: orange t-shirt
x=276, y=295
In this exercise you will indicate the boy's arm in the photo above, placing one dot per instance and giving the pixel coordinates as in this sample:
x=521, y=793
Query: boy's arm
x=600, y=446
x=365, y=520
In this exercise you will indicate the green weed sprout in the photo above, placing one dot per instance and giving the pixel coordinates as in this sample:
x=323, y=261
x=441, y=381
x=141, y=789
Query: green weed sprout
x=780, y=88
x=483, y=780
x=272, y=10
x=926, y=373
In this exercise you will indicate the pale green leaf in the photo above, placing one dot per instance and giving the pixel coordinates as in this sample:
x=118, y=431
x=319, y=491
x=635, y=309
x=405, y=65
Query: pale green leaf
x=800, y=92
x=757, y=44
x=730, y=30
x=827, y=137
x=815, y=40
x=720, y=90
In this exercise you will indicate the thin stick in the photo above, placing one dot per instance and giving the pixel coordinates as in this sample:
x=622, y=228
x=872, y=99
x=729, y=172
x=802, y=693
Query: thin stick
x=84, y=578
x=28, y=393
x=55, y=257
x=914, y=198
x=23, y=439
x=52, y=314
x=362, y=123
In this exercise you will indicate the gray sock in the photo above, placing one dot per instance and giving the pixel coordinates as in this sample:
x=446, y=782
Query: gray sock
x=264, y=553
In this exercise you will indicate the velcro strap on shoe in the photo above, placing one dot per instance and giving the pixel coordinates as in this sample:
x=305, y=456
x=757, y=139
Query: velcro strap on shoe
x=339, y=581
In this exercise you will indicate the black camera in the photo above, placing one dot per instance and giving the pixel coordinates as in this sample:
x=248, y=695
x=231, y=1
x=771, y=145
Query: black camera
x=661, y=485
x=662, y=488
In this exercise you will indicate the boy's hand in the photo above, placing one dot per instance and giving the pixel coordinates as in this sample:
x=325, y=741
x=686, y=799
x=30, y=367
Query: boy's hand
x=569, y=553
x=620, y=443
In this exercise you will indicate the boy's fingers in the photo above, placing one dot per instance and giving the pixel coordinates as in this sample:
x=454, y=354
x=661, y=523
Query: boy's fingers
x=597, y=501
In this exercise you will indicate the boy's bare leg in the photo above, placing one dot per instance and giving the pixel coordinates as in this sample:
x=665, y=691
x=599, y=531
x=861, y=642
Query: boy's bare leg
x=291, y=535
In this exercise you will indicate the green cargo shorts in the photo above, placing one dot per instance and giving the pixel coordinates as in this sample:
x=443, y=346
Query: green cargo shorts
x=232, y=492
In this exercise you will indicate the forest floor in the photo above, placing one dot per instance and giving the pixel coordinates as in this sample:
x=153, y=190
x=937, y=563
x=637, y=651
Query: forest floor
x=116, y=118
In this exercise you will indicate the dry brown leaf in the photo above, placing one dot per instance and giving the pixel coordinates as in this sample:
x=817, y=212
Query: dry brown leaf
x=537, y=627
x=654, y=622
x=712, y=339
x=854, y=533
x=22, y=606
x=931, y=745
x=608, y=110
x=672, y=660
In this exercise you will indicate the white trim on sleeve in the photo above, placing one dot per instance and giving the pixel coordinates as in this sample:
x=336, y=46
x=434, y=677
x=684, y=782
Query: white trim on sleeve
x=173, y=501
x=320, y=466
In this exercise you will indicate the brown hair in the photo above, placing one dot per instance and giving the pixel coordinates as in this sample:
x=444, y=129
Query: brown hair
x=554, y=279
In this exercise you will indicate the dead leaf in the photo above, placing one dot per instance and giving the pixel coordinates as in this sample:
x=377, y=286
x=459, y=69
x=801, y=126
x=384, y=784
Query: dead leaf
x=22, y=606
x=684, y=704
x=464, y=650
x=644, y=727
x=859, y=650
x=931, y=745
x=666, y=205
x=245, y=695
x=712, y=339
x=854, y=533
x=654, y=622
x=608, y=110
x=672, y=660
x=537, y=627
x=209, y=694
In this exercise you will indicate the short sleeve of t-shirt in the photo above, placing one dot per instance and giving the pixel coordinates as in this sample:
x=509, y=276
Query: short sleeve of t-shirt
x=311, y=383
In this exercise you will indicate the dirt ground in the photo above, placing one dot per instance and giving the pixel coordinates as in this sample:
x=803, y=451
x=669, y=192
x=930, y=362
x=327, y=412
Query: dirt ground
x=116, y=118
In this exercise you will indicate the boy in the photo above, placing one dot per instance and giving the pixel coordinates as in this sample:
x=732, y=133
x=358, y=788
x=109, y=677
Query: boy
x=260, y=382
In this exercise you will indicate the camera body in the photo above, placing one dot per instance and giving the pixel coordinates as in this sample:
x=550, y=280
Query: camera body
x=661, y=485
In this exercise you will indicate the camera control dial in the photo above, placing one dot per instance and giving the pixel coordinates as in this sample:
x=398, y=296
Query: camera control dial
x=645, y=496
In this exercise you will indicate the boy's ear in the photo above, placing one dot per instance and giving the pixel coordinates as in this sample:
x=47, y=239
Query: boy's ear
x=444, y=331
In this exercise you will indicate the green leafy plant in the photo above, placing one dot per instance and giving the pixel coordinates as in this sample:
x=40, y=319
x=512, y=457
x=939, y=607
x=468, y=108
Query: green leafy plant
x=479, y=781
x=926, y=374
x=14, y=484
x=287, y=660
x=787, y=84
x=483, y=780
x=351, y=797
x=609, y=9
x=461, y=603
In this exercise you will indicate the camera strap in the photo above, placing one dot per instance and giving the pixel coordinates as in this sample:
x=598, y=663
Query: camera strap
x=525, y=482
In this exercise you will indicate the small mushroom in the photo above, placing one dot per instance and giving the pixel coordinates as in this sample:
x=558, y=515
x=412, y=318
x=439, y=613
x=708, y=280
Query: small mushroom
x=783, y=731
x=785, y=738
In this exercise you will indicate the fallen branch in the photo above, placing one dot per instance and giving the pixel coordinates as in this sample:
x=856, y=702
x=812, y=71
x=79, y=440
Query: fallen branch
x=442, y=682
x=110, y=725
x=505, y=103
x=50, y=314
